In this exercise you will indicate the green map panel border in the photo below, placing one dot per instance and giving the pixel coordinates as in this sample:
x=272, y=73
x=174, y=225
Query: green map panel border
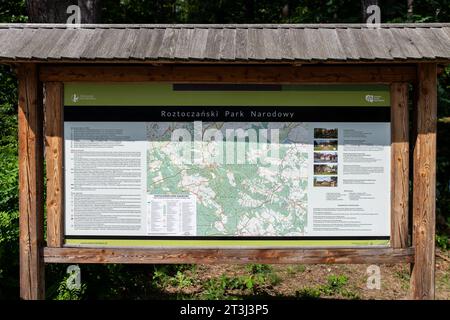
x=223, y=243
x=162, y=94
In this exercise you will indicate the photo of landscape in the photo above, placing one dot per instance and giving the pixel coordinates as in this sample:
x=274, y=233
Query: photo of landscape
x=325, y=145
x=322, y=133
x=325, y=181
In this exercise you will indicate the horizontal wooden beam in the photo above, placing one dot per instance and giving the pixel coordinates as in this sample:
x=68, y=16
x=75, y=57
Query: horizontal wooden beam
x=231, y=74
x=233, y=256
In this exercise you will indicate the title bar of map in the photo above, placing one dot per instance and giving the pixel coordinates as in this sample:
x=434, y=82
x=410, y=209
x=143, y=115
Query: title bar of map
x=160, y=94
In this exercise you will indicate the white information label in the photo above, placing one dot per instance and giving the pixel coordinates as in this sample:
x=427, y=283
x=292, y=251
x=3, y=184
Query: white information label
x=105, y=179
x=349, y=179
x=172, y=215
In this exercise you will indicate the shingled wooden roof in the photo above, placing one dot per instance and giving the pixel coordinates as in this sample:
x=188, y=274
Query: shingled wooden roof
x=327, y=43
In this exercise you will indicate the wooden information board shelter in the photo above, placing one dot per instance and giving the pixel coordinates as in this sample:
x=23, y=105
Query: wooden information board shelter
x=48, y=56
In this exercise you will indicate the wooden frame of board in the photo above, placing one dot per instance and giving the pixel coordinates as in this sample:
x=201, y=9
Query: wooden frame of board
x=41, y=123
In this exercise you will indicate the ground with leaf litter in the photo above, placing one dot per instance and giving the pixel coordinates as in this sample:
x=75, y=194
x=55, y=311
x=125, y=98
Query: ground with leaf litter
x=292, y=281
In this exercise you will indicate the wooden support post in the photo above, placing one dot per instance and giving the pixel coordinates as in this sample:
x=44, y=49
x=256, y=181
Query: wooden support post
x=400, y=165
x=31, y=184
x=54, y=162
x=424, y=188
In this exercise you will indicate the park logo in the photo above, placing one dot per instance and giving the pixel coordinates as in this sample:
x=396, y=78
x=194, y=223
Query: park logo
x=373, y=99
x=75, y=98
x=82, y=97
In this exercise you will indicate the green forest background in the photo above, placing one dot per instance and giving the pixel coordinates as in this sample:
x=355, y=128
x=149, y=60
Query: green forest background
x=135, y=282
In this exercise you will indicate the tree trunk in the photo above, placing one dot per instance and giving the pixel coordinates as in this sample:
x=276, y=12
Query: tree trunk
x=364, y=5
x=409, y=13
x=48, y=11
x=55, y=11
x=90, y=11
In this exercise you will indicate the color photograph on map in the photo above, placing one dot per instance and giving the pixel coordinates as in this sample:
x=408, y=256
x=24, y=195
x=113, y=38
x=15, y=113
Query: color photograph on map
x=325, y=157
x=325, y=169
x=323, y=133
x=325, y=145
x=325, y=181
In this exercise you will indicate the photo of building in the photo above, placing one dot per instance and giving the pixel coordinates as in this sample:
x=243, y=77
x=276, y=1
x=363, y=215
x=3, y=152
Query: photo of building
x=325, y=181
x=322, y=133
x=331, y=157
x=325, y=169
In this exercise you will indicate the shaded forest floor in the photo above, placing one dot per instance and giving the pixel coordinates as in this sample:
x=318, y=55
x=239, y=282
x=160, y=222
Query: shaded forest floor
x=293, y=282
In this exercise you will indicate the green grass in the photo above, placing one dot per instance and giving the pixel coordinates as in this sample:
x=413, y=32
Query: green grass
x=443, y=241
x=218, y=288
x=444, y=282
x=308, y=293
x=335, y=286
x=180, y=280
x=173, y=275
x=402, y=275
x=259, y=268
x=292, y=270
x=259, y=277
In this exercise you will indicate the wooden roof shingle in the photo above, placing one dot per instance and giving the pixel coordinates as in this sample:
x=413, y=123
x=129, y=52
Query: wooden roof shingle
x=225, y=43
